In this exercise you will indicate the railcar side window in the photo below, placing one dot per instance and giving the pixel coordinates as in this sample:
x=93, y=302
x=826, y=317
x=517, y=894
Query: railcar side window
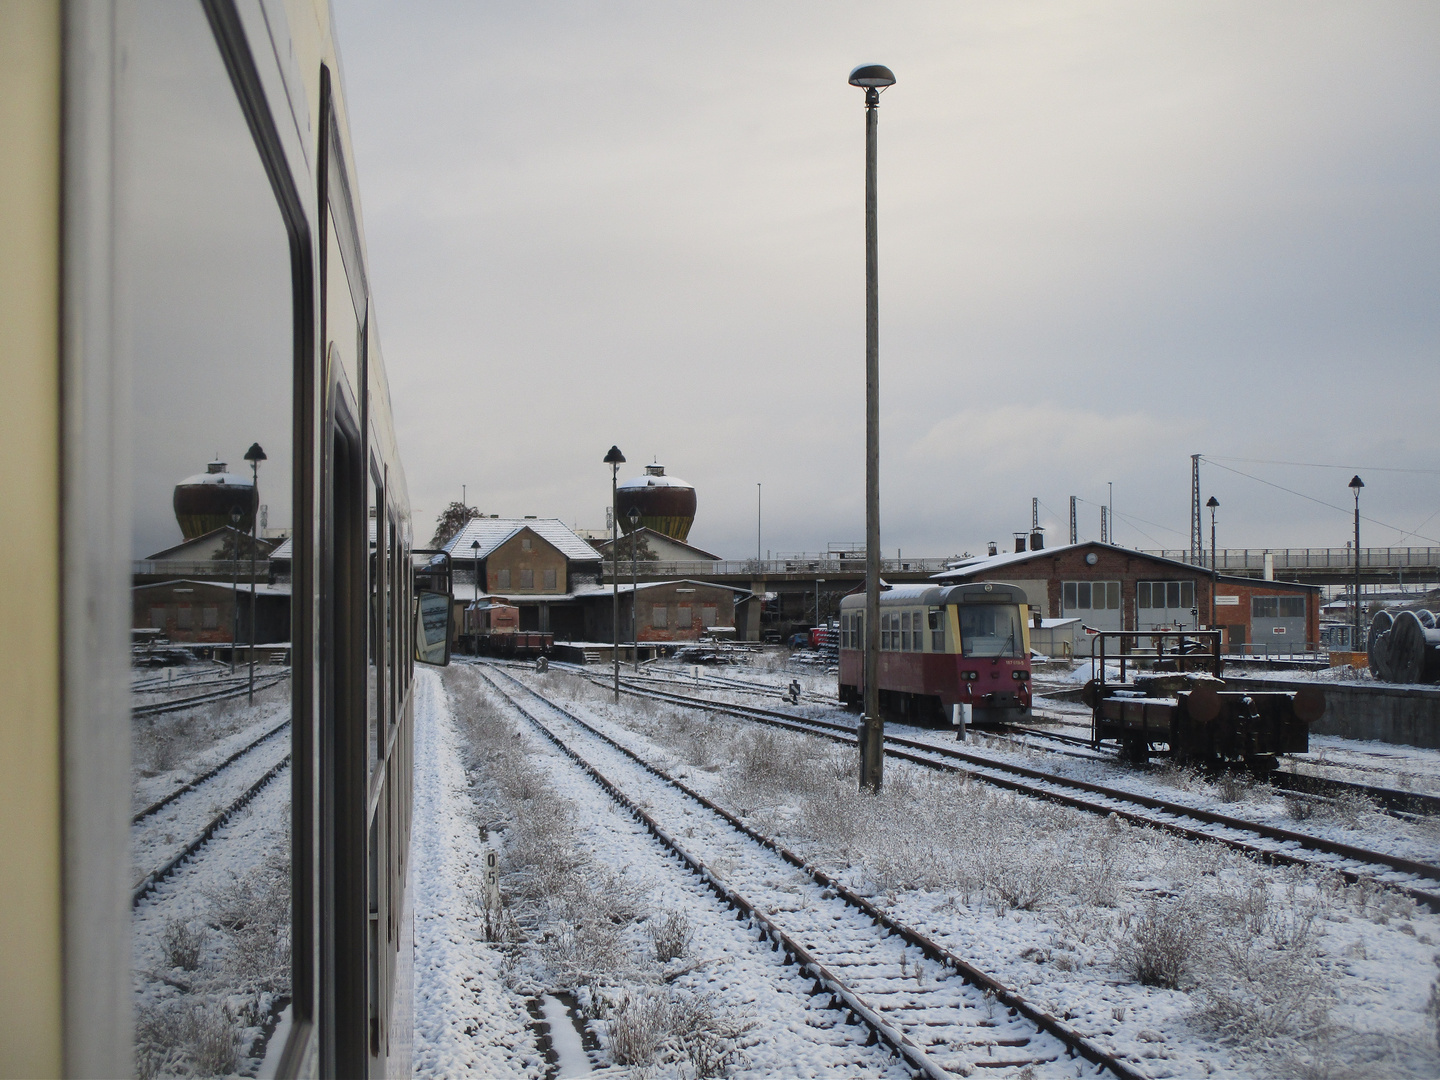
x=206, y=327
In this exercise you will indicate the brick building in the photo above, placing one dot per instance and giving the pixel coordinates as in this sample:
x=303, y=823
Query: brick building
x=667, y=610
x=203, y=612
x=537, y=564
x=1114, y=588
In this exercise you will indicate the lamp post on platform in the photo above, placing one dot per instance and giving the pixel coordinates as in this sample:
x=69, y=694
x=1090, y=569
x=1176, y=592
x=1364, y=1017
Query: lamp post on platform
x=615, y=459
x=1214, y=563
x=1355, y=485
x=235, y=516
x=873, y=78
x=634, y=516
x=254, y=455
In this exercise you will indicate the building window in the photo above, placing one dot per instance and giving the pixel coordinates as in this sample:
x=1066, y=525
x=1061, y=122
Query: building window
x=209, y=617
x=709, y=615
x=525, y=543
x=502, y=579
x=683, y=618
x=1165, y=595
x=658, y=617
x=550, y=580
x=527, y=579
x=185, y=617
x=1091, y=595
x=1277, y=607
x=157, y=618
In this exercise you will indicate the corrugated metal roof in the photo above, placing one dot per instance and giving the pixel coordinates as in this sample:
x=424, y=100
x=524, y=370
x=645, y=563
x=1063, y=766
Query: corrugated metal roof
x=492, y=532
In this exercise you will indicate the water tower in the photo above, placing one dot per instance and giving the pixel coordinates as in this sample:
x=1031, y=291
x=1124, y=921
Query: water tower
x=666, y=503
x=203, y=502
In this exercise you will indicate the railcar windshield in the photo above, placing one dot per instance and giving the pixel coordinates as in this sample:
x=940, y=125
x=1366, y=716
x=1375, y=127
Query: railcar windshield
x=990, y=630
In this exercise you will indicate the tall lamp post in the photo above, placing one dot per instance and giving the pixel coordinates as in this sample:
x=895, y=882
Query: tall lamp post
x=818, y=582
x=254, y=455
x=1355, y=485
x=757, y=526
x=475, y=573
x=1214, y=563
x=235, y=518
x=634, y=516
x=873, y=78
x=615, y=459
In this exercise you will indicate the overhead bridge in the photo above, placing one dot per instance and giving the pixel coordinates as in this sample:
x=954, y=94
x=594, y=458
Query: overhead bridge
x=1324, y=566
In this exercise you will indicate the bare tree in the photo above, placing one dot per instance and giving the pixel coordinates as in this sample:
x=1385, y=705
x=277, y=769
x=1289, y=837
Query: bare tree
x=451, y=520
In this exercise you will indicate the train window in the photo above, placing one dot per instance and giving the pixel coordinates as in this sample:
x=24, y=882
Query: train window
x=206, y=327
x=905, y=631
x=990, y=630
x=937, y=630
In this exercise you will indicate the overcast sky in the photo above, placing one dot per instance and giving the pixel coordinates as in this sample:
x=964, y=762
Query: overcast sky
x=1111, y=236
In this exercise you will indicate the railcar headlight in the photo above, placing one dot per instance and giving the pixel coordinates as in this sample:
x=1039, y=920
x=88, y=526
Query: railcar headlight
x=969, y=676
x=1019, y=676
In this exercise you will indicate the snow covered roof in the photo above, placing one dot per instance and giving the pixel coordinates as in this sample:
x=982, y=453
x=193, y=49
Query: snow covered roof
x=285, y=550
x=654, y=476
x=491, y=532
x=261, y=588
x=215, y=474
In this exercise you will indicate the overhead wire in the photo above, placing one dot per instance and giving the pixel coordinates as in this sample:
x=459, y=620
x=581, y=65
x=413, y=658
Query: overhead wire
x=1317, y=465
x=1320, y=502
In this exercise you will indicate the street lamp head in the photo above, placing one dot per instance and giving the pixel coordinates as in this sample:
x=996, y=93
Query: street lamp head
x=872, y=75
x=1357, y=484
x=614, y=457
x=255, y=454
x=475, y=544
x=235, y=515
x=1213, y=503
x=634, y=516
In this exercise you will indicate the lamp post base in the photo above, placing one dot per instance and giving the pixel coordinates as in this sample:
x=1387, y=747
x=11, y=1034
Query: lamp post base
x=872, y=751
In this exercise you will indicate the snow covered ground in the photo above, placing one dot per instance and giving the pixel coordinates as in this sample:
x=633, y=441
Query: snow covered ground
x=1274, y=971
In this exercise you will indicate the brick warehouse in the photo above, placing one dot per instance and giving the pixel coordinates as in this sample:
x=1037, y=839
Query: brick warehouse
x=1115, y=588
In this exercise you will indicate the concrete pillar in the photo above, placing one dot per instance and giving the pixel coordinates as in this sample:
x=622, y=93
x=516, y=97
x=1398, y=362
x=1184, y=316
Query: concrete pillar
x=751, y=630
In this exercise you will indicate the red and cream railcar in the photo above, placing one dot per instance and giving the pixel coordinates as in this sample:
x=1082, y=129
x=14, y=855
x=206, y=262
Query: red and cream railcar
x=943, y=647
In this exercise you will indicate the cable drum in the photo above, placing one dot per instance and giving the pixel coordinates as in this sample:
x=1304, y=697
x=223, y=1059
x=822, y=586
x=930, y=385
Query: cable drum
x=1377, y=648
x=1408, y=650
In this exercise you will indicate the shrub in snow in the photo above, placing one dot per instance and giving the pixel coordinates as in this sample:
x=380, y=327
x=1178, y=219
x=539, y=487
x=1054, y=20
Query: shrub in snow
x=177, y=1039
x=1158, y=947
x=182, y=943
x=655, y=1026
x=253, y=915
x=671, y=934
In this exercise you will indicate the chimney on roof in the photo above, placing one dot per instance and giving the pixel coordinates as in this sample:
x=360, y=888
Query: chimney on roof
x=992, y=548
x=1037, y=539
x=1020, y=539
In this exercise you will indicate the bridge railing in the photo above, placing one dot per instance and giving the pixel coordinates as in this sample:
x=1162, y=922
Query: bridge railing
x=1371, y=558
x=776, y=567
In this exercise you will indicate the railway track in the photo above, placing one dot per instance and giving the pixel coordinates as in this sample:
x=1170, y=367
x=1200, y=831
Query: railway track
x=212, y=822
x=1420, y=881
x=203, y=699
x=952, y=1020
x=186, y=788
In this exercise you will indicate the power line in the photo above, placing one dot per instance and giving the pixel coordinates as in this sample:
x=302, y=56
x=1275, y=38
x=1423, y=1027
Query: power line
x=1315, y=465
x=1322, y=502
x=1132, y=520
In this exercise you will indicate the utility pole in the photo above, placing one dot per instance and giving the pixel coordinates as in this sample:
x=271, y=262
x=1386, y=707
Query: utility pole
x=615, y=459
x=1355, y=485
x=1197, y=535
x=1074, y=525
x=873, y=78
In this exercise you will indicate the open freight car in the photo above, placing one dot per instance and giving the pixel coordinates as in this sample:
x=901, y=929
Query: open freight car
x=1177, y=703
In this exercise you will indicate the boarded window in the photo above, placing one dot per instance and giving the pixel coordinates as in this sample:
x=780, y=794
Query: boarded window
x=683, y=618
x=527, y=579
x=157, y=618
x=185, y=617
x=659, y=617
x=209, y=617
x=502, y=579
x=525, y=543
x=550, y=580
x=709, y=615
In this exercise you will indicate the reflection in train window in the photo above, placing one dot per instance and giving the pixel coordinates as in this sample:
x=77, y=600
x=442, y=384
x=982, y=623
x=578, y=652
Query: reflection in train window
x=206, y=319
